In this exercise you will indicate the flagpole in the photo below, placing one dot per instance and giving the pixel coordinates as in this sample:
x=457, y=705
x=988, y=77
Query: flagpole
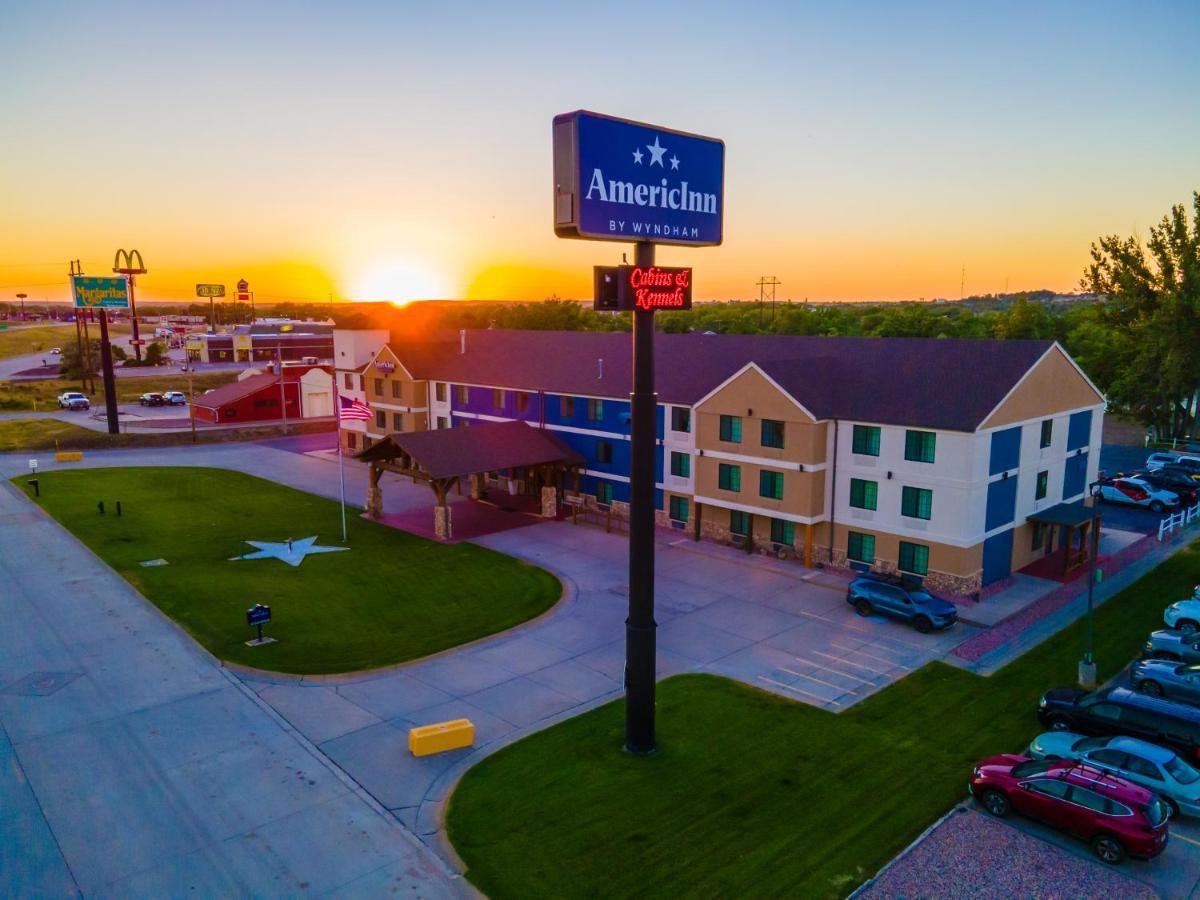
x=337, y=411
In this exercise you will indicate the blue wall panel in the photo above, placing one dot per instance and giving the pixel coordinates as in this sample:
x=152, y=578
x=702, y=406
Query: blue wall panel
x=1079, y=430
x=1001, y=503
x=1075, y=476
x=997, y=557
x=1006, y=450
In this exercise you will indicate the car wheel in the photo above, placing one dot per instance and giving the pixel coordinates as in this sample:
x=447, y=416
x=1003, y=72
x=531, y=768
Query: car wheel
x=1172, y=807
x=1156, y=506
x=1187, y=626
x=996, y=803
x=922, y=625
x=1109, y=849
x=1059, y=724
x=863, y=607
x=1153, y=688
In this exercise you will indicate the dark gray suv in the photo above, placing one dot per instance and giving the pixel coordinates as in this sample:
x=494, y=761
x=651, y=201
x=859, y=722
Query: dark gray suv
x=1179, y=646
x=901, y=598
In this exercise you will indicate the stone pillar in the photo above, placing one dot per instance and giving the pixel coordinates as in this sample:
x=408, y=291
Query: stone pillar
x=476, y=485
x=374, y=494
x=549, y=501
x=441, y=522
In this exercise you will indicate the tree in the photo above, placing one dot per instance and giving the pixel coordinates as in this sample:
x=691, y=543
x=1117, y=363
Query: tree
x=70, y=365
x=1153, y=304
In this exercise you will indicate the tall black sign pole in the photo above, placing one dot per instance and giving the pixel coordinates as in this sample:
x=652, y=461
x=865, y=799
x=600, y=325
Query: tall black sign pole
x=110, y=383
x=640, y=626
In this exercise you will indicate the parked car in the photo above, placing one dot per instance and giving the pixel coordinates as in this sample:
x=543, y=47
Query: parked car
x=1136, y=492
x=1157, y=460
x=56, y=351
x=1182, y=471
x=1120, y=710
x=1172, y=644
x=1186, y=488
x=1153, y=767
x=1164, y=678
x=175, y=398
x=1184, y=615
x=152, y=398
x=902, y=599
x=74, y=400
x=1115, y=816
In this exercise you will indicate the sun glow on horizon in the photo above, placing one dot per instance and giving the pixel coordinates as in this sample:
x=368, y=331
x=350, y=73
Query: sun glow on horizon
x=400, y=282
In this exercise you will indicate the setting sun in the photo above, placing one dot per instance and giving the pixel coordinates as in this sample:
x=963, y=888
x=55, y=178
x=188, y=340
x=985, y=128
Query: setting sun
x=400, y=282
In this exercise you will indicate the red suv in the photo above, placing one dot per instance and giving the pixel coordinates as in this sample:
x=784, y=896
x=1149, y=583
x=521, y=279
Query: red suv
x=1115, y=816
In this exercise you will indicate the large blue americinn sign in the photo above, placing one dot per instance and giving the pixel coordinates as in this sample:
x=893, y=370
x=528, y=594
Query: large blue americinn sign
x=619, y=180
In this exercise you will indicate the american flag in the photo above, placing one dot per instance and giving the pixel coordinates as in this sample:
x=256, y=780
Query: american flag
x=353, y=409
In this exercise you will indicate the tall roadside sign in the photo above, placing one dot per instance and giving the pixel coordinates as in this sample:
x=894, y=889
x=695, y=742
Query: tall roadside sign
x=618, y=180
x=129, y=263
x=212, y=292
x=102, y=294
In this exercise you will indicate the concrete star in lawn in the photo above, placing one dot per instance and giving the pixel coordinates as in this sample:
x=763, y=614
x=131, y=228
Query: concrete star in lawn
x=291, y=552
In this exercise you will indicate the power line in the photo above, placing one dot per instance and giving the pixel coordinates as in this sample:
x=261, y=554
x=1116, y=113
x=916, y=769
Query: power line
x=766, y=286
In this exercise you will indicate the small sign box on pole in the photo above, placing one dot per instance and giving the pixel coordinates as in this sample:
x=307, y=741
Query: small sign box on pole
x=259, y=615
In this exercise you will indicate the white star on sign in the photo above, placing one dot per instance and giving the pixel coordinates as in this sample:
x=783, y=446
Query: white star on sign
x=291, y=552
x=656, y=151
x=674, y=162
x=637, y=156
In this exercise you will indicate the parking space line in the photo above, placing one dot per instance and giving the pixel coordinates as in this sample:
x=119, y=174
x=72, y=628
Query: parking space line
x=815, y=678
x=851, y=662
x=788, y=687
x=882, y=659
x=838, y=672
x=1179, y=837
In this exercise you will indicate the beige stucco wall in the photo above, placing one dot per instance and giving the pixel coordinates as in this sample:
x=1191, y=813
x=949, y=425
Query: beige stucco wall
x=1052, y=386
x=803, y=492
x=752, y=397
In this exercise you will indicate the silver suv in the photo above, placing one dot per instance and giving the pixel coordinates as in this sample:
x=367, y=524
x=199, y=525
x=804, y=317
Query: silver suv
x=73, y=400
x=1179, y=646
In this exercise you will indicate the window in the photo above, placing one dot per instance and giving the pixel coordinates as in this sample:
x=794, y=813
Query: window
x=349, y=380
x=918, y=446
x=1039, y=535
x=1143, y=767
x=729, y=478
x=439, y=391
x=1047, y=432
x=681, y=419
x=522, y=402
x=731, y=429
x=739, y=522
x=1106, y=711
x=783, y=532
x=916, y=503
x=397, y=421
x=378, y=383
x=681, y=464
x=914, y=558
x=770, y=484
x=604, y=492
x=566, y=407
x=679, y=509
x=772, y=433
x=366, y=442
x=595, y=410
x=1089, y=799
x=1043, y=483
x=380, y=419
x=866, y=440
x=463, y=396
x=864, y=494
x=861, y=547
x=1049, y=787
x=351, y=440
x=497, y=399
x=443, y=422
x=603, y=452
x=396, y=390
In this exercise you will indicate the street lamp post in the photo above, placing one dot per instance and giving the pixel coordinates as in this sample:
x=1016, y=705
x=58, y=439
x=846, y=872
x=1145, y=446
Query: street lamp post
x=22, y=297
x=1087, y=666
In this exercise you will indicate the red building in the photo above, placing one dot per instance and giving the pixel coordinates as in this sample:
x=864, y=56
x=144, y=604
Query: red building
x=254, y=399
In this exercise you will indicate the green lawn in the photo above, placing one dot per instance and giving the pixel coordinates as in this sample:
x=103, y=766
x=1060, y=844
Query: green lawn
x=753, y=795
x=392, y=597
x=18, y=341
x=17, y=396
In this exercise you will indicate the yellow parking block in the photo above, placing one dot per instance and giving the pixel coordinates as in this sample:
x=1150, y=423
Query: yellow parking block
x=68, y=456
x=440, y=737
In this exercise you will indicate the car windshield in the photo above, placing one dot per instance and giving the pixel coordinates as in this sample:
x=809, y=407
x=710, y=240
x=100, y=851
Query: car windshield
x=1034, y=767
x=1181, y=771
x=921, y=596
x=1092, y=743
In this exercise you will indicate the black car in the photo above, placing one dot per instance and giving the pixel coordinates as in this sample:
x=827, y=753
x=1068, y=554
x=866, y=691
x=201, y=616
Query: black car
x=1119, y=710
x=1179, y=470
x=1184, y=486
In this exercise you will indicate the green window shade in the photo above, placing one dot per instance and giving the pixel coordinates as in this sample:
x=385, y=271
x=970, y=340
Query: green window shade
x=866, y=440
x=919, y=446
x=1043, y=484
x=679, y=509
x=782, y=532
x=914, y=558
x=595, y=410
x=772, y=433
x=916, y=503
x=861, y=547
x=864, y=494
x=731, y=429
x=770, y=484
x=681, y=464
x=739, y=522
x=603, y=492
x=729, y=478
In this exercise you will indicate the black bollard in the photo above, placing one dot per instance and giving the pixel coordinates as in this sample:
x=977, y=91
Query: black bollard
x=118, y=508
x=100, y=506
x=33, y=483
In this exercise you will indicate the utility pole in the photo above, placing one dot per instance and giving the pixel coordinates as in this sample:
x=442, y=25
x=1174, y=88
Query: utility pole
x=84, y=357
x=192, y=401
x=962, y=283
x=766, y=289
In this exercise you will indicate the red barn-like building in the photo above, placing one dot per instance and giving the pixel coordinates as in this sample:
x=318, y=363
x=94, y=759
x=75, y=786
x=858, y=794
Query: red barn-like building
x=253, y=399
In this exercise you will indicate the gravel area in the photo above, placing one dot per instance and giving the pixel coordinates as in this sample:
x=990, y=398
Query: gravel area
x=970, y=854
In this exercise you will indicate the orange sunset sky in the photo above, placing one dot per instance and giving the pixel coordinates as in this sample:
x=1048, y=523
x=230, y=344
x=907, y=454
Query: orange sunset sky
x=400, y=151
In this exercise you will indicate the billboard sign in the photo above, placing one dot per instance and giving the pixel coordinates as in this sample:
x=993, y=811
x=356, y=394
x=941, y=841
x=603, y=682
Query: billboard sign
x=100, y=292
x=210, y=290
x=636, y=287
x=619, y=180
